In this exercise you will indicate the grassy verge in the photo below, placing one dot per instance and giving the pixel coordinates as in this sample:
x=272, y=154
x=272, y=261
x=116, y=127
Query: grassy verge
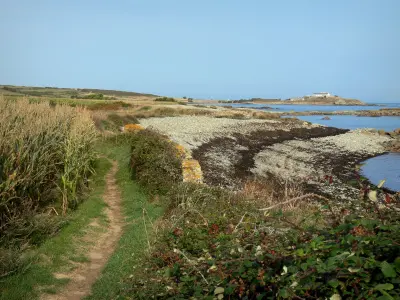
x=56, y=253
x=133, y=243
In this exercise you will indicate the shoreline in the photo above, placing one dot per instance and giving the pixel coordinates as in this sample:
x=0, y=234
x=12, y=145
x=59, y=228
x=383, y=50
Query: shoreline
x=230, y=151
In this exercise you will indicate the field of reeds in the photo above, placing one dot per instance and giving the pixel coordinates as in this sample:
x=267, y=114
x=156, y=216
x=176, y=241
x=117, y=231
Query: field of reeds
x=46, y=157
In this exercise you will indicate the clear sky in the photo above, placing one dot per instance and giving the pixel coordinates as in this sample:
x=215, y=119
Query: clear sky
x=205, y=48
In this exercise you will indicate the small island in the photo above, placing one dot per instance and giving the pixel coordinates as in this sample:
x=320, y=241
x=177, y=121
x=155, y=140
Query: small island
x=321, y=98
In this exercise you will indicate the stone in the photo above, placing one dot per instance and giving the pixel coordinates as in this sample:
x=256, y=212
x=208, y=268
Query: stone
x=381, y=132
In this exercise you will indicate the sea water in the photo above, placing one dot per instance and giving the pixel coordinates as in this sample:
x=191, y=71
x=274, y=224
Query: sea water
x=354, y=122
x=386, y=166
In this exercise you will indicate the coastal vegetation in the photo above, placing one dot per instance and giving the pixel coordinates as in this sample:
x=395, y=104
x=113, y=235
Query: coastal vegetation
x=56, y=92
x=272, y=238
x=97, y=96
x=165, y=99
x=268, y=241
x=46, y=158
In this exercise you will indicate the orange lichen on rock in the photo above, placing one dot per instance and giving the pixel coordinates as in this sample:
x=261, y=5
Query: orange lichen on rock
x=133, y=127
x=191, y=171
x=182, y=152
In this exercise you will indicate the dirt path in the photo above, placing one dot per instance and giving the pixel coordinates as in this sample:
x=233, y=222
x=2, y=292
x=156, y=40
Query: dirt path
x=102, y=245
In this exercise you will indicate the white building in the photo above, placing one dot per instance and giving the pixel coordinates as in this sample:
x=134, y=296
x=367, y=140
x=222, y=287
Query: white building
x=321, y=94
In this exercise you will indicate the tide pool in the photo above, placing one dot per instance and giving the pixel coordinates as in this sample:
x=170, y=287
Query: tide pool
x=354, y=122
x=386, y=167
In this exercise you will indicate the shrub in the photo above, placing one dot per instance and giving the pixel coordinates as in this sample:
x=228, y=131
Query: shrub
x=145, y=108
x=108, y=105
x=121, y=120
x=155, y=162
x=165, y=99
x=93, y=96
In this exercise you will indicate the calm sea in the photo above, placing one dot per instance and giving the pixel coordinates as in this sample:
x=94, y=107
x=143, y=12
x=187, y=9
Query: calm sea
x=347, y=122
x=385, y=166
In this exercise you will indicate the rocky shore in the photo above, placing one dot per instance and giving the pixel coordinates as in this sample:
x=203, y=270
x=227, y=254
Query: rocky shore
x=230, y=151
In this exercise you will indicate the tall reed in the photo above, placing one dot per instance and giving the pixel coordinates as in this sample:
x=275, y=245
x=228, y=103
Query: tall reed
x=46, y=155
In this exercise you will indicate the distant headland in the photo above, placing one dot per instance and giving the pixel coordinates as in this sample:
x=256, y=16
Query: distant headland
x=321, y=98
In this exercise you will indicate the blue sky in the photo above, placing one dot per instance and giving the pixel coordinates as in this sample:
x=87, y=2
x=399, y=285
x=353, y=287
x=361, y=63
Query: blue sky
x=220, y=49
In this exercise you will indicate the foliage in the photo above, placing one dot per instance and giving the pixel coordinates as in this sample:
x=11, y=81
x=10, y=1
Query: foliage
x=217, y=243
x=46, y=154
x=154, y=161
x=96, y=96
x=114, y=122
x=25, y=273
x=165, y=99
x=108, y=105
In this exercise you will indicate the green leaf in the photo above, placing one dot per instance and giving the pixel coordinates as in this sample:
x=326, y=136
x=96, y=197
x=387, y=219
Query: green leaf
x=248, y=263
x=304, y=266
x=397, y=264
x=387, y=269
x=300, y=252
x=284, y=293
x=167, y=272
x=385, y=286
x=385, y=296
x=333, y=283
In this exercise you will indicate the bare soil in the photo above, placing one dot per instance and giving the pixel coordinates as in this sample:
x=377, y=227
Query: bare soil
x=102, y=244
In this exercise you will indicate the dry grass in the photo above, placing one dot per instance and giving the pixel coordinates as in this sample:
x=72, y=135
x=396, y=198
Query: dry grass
x=45, y=154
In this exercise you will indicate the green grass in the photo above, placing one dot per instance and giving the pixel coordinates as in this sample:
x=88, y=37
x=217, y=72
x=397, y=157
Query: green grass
x=55, y=254
x=133, y=243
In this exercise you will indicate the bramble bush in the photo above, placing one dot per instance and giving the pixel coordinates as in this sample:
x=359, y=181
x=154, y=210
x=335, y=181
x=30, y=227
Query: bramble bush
x=270, y=257
x=215, y=244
